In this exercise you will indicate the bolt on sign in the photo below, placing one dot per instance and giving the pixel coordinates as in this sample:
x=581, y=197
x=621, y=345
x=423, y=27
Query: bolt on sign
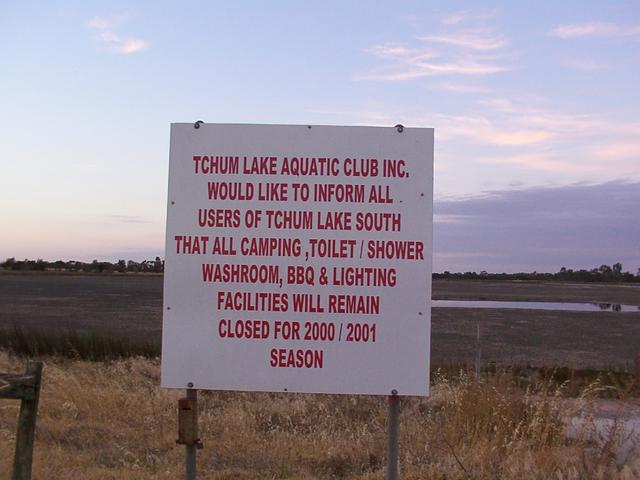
x=298, y=258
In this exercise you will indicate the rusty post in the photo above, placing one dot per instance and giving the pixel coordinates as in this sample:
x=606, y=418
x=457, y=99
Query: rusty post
x=188, y=430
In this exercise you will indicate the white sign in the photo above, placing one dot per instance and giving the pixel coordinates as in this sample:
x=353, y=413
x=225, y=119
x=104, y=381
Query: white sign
x=298, y=258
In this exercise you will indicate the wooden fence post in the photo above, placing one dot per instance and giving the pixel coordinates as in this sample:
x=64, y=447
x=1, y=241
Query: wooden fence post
x=25, y=387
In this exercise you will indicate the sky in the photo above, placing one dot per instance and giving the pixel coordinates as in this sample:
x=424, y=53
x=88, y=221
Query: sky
x=537, y=138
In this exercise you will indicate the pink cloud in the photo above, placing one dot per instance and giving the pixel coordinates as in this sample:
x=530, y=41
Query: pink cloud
x=103, y=28
x=595, y=29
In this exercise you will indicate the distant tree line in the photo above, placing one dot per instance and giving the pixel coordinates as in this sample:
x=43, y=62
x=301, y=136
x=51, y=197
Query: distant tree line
x=121, y=266
x=604, y=273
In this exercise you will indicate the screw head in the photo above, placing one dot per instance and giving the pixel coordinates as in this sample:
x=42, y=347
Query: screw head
x=400, y=128
x=394, y=392
x=190, y=384
x=197, y=124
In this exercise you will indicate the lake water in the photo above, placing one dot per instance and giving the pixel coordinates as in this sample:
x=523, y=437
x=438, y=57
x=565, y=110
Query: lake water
x=573, y=307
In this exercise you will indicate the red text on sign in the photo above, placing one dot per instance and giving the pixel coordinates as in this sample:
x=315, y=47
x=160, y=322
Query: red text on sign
x=250, y=329
x=191, y=244
x=286, y=330
x=284, y=357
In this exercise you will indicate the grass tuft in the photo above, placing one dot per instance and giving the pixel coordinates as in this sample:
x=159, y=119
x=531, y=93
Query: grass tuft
x=75, y=345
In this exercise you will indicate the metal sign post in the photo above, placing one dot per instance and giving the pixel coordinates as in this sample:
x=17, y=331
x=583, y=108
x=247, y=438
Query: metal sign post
x=394, y=427
x=188, y=430
x=477, y=360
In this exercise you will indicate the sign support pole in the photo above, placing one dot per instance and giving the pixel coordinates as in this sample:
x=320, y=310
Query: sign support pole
x=188, y=430
x=477, y=361
x=392, y=445
x=191, y=447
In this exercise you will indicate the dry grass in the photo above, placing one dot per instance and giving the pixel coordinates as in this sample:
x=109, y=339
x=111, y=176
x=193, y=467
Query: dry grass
x=111, y=421
x=73, y=344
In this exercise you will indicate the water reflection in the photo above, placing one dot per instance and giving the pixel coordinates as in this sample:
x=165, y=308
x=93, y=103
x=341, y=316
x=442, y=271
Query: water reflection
x=616, y=307
x=574, y=307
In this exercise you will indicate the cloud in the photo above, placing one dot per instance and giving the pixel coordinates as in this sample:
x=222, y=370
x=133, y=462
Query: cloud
x=104, y=32
x=547, y=163
x=500, y=104
x=592, y=146
x=132, y=46
x=88, y=166
x=486, y=131
x=441, y=218
x=99, y=23
x=475, y=40
x=467, y=16
x=521, y=136
x=458, y=87
x=428, y=69
x=412, y=63
x=469, y=51
x=372, y=117
x=620, y=150
x=129, y=219
x=396, y=50
x=586, y=64
x=532, y=115
x=543, y=229
x=452, y=19
x=595, y=29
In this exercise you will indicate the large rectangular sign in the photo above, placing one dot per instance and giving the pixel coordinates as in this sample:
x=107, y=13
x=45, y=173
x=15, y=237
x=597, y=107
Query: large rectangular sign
x=298, y=258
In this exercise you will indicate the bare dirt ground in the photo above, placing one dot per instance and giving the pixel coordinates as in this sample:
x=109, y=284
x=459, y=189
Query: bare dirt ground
x=535, y=291
x=537, y=337
x=131, y=305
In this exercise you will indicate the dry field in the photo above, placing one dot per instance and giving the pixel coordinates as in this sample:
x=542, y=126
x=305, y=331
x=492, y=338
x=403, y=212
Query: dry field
x=112, y=421
x=130, y=306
